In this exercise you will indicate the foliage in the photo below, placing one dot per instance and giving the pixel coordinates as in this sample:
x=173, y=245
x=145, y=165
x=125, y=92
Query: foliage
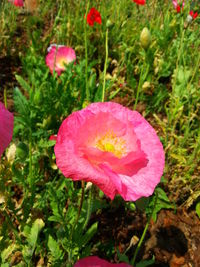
x=40, y=221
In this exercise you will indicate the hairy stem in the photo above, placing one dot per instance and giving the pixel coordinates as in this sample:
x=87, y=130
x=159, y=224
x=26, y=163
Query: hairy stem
x=105, y=67
x=144, y=232
x=86, y=54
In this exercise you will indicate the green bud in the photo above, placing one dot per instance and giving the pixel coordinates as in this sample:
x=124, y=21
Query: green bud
x=146, y=86
x=38, y=97
x=47, y=123
x=109, y=24
x=22, y=151
x=145, y=38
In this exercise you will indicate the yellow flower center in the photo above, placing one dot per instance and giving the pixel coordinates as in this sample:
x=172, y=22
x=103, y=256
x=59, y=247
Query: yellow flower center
x=112, y=143
x=62, y=62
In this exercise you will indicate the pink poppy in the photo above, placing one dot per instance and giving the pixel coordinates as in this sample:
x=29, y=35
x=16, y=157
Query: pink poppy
x=17, y=2
x=177, y=5
x=94, y=261
x=58, y=56
x=6, y=127
x=113, y=147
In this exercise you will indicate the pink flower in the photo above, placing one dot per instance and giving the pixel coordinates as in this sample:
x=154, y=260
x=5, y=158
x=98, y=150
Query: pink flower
x=17, y=2
x=94, y=261
x=58, y=56
x=113, y=147
x=6, y=127
x=177, y=5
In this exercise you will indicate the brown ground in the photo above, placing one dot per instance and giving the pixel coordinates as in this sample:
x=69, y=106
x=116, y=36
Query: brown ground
x=174, y=239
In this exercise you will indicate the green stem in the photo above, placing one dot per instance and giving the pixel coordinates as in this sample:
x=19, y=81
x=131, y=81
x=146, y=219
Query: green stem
x=86, y=54
x=139, y=86
x=30, y=176
x=80, y=208
x=5, y=98
x=144, y=232
x=81, y=201
x=105, y=67
x=89, y=208
x=178, y=57
x=76, y=222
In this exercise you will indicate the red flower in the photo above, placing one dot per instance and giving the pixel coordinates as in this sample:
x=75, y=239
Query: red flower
x=178, y=9
x=193, y=15
x=140, y=2
x=93, y=16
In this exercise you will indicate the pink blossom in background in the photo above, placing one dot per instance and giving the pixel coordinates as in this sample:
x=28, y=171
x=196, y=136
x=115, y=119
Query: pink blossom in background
x=94, y=261
x=6, y=127
x=17, y=2
x=178, y=4
x=58, y=56
x=113, y=147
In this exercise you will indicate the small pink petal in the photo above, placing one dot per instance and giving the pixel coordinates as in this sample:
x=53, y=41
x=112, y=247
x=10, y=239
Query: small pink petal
x=6, y=127
x=58, y=57
x=19, y=3
x=94, y=261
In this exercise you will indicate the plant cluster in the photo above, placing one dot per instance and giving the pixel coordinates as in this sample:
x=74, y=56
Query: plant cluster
x=108, y=95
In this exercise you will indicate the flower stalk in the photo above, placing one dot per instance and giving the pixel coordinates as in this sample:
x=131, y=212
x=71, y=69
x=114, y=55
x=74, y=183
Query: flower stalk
x=86, y=54
x=5, y=98
x=105, y=66
x=30, y=175
x=89, y=207
x=144, y=232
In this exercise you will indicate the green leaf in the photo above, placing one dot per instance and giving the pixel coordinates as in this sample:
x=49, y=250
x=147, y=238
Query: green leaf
x=23, y=83
x=162, y=195
x=22, y=107
x=122, y=257
x=32, y=238
x=89, y=234
x=162, y=203
x=53, y=246
x=35, y=230
x=198, y=209
x=6, y=253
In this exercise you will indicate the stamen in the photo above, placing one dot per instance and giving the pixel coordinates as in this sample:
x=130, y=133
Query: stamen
x=110, y=142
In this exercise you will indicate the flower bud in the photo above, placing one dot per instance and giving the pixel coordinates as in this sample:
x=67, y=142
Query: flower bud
x=109, y=24
x=22, y=151
x=145, y=38
x=146, y=86
x=10, y=154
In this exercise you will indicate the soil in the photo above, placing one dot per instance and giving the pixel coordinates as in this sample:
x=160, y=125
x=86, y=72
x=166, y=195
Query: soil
x=9, y=66
x=174, y=239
